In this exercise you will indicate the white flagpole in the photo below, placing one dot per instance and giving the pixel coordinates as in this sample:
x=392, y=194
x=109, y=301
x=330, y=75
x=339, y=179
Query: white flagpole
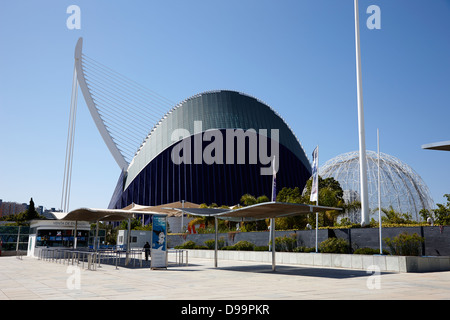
x=315, y=189
x=272, y=220
x=317, y=202
x=362, y=143
x=379, y=191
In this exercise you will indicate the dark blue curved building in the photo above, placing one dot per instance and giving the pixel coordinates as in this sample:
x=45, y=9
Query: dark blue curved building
x=196, y=153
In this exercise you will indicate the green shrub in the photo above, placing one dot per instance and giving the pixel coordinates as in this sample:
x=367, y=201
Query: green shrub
x=405, y=244
x=334, y=245
x=187, y=245
x=285, y=244
x=369, y=251
x=211, y=244
x=261, y=248
x=241, y=246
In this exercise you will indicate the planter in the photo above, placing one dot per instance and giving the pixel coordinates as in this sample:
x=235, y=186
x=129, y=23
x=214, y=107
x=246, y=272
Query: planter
x=333, y=260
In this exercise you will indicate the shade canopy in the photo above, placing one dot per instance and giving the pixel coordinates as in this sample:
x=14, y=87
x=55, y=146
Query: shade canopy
x=254, y=212
x=171, y=209
x=443, y=145
x=90, y=214
x=260, y=211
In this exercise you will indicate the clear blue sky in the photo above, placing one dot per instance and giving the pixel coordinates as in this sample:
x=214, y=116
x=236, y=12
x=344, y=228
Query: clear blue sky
x=298, y=56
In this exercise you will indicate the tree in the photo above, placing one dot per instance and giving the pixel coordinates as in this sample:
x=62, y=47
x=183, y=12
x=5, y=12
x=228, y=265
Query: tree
x=392, y=216
x=290, y=195
x=31, y=212
x=135, y=224
x=248, y=200
x=330, y=192
x=330, y=195
x=23, y=218
x=441, y=215
x=262, y=199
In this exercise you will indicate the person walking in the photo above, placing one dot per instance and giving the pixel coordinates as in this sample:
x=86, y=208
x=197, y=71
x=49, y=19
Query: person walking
x=146, y=250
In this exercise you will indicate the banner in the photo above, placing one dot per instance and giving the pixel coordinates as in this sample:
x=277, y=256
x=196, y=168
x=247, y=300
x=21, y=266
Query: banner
x=159, y=242
x=274, y=182
x=315, y=175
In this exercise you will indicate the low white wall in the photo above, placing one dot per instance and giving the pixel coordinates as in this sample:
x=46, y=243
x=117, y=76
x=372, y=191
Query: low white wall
x=333, y=260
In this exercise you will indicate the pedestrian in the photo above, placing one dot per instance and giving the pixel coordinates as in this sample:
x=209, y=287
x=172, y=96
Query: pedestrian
x=147, y=250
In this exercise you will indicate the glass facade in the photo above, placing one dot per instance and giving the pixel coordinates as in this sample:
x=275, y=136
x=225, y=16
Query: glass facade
x=153, y=178
x=60, y=238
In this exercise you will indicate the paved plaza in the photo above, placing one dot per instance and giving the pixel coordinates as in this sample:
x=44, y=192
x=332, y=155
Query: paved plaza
x=30, y=278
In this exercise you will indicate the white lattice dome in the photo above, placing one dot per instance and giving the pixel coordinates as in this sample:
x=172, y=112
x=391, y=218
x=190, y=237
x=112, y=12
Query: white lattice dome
x=401, y=187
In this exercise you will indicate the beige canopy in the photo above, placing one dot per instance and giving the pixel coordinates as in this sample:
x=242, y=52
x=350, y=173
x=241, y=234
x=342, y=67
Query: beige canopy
x=90, y=214
x=274, y=210
x=258, y=211
x=171, y=209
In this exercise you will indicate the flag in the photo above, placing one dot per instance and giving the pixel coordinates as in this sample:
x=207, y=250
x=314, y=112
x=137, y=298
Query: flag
x=274, y=181
x=315, y=176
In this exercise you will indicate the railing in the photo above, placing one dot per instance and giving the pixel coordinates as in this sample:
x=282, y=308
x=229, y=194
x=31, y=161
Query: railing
x=75, y=257
x=179, y=255
x=94, y=259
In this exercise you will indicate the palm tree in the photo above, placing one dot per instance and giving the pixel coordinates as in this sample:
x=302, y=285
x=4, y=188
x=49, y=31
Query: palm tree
x=248, y=200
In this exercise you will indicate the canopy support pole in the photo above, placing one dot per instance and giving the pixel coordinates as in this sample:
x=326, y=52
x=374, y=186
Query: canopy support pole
x=216, y=242
x=75, y=233
x=272, y=229
x=128, y=242
x=96, y=237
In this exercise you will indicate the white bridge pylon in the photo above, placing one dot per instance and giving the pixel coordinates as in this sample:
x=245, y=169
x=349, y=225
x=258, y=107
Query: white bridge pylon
x=120, y=159
x=123, y=110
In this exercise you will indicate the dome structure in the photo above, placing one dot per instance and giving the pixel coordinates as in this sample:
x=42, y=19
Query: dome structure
x=154, y=178
x=401, y=187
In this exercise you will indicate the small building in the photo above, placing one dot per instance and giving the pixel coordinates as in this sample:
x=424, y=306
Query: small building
x=57, y=234
x=138, y=238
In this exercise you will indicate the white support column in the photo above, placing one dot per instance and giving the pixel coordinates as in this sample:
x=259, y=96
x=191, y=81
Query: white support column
x=128, y=242
x=362, y=143
x=75, y=232
x=96, y=242
x=379, y=192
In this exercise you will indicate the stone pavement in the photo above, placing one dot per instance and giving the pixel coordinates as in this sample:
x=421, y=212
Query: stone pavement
x=30, y=278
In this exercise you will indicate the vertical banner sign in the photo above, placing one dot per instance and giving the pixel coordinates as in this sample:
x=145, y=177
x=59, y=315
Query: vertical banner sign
x=315, y=175
x=159, y=242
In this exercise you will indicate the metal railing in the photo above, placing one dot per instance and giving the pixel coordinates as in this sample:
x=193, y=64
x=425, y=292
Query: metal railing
x=179, y=255
x=92, y=260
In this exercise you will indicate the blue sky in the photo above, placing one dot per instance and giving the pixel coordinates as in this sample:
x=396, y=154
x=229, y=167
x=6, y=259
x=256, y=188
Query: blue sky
x=297, y=56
